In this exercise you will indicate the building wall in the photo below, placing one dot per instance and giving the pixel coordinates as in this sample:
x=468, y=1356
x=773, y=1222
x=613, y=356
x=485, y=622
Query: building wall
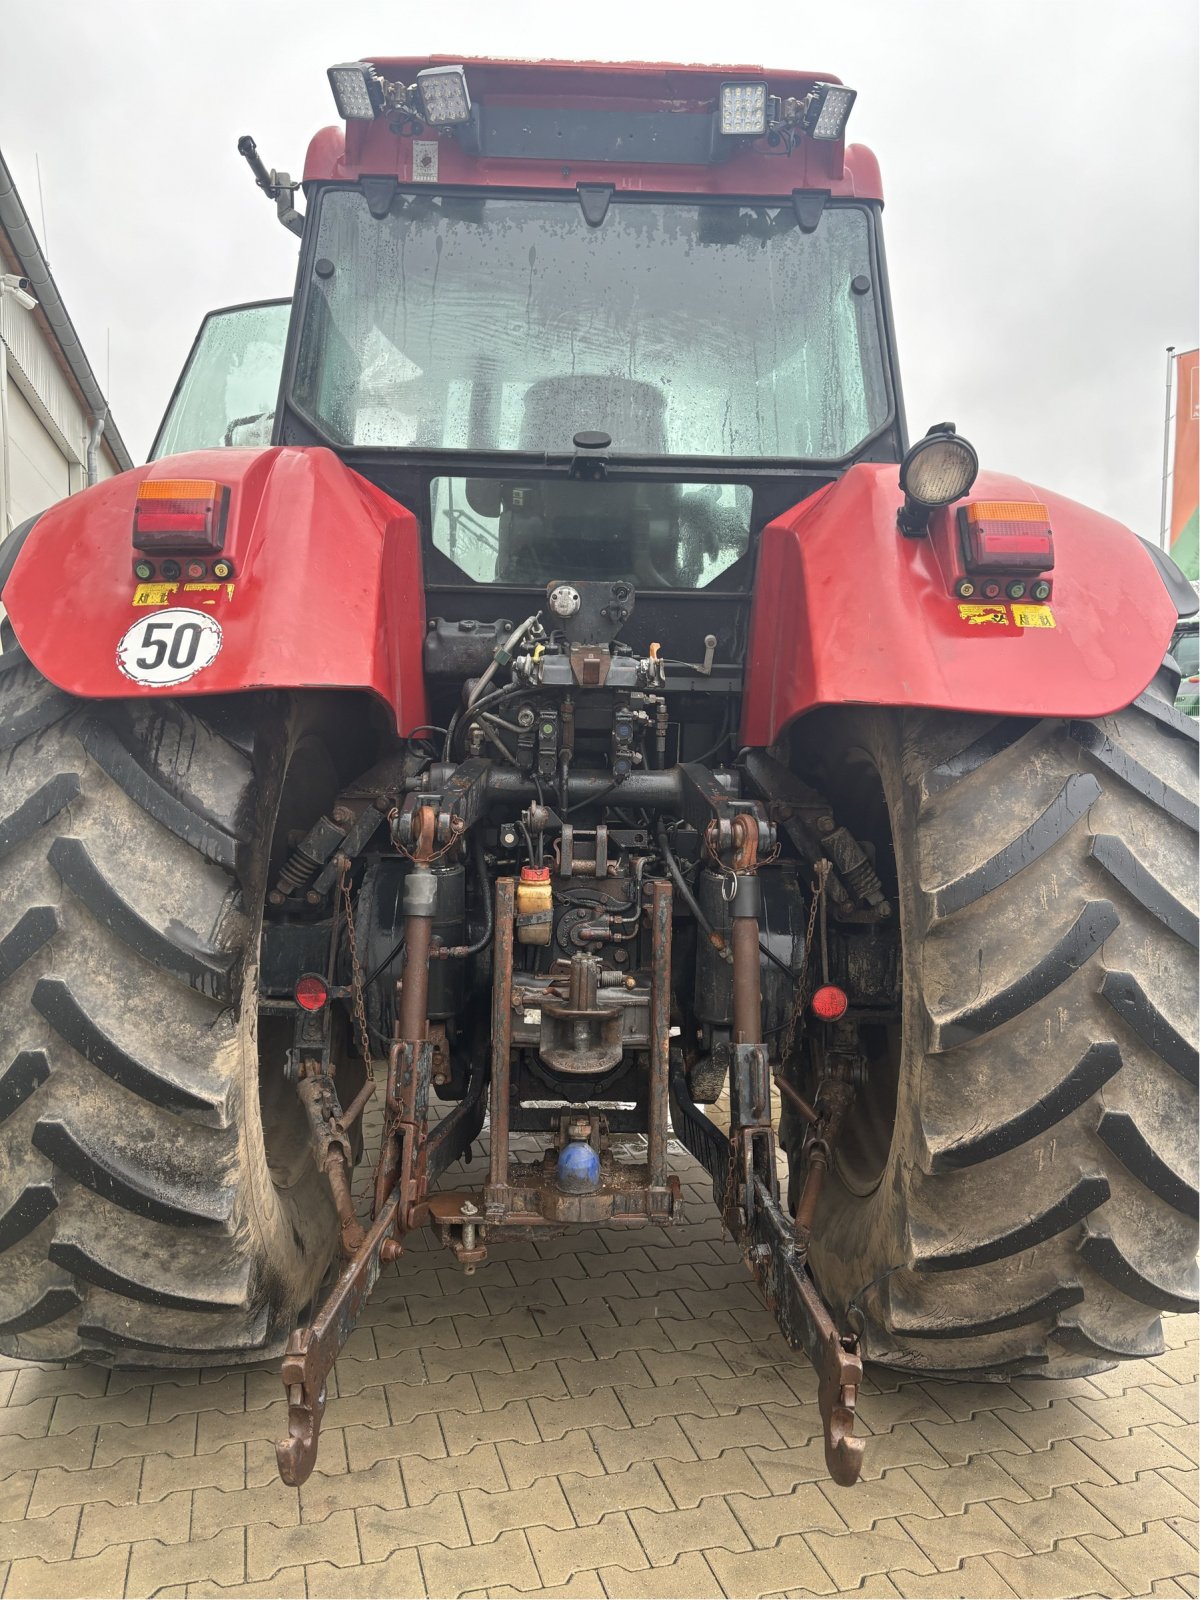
x=43, y=422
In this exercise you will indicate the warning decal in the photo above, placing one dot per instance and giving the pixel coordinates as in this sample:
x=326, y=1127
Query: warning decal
x=996, y=615
x=1033, y=617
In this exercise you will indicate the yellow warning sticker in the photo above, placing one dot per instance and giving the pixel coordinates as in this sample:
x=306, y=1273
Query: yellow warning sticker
x=153, y=594
x=159, y=594
x=1034, y=617
x=996, y=615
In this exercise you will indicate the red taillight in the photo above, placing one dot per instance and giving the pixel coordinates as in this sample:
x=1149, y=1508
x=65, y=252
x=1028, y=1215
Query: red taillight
x=1006, y=536
x=311, y=992
x=180, y=514
x=829, y=1002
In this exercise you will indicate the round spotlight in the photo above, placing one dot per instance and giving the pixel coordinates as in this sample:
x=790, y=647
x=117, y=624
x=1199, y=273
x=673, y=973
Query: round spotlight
x=938, y=469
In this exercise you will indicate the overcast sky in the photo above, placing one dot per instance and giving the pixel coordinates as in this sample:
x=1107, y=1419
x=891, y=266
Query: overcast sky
x=1039, y=163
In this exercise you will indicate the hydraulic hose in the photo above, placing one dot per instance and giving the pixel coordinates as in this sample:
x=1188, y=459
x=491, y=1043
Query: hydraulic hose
x=505, y=650
x=689, y=899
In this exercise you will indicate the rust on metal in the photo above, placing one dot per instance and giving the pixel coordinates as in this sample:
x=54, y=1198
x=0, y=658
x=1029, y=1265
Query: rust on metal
x=657, y=1088
x=502, y=972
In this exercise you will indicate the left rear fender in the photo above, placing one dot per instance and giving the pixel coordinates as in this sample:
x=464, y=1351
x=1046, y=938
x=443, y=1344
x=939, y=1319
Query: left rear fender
x=327, y=590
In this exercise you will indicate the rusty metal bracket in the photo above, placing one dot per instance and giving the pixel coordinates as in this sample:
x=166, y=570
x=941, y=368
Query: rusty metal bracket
x=768, y=1237
x=312, y=1351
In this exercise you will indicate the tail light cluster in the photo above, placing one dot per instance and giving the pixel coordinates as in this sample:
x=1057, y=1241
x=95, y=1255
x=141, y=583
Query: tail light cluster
x=1007, y=549
x=179, y=530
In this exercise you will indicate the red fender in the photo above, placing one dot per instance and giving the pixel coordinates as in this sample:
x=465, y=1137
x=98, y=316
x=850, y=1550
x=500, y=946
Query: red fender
x=327, y=590
x=849, y=610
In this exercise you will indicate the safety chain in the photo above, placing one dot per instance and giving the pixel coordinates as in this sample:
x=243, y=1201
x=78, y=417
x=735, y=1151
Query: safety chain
x=356, y=974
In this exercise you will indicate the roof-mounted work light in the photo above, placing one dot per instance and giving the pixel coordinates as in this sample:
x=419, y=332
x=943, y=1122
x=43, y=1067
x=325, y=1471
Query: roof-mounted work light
x=827, y=110
x=357, y=91
x=444, y=96
x=937, y=470
x=743, y=109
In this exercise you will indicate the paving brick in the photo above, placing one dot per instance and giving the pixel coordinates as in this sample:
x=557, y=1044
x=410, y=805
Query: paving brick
x=153, y=1565
x=489, y=1515
x=381, y=1531
x=378, y=1485
x=269, y=1548
x=215, y=1428
x=1128, y=1507
x=560, y=1554
x=709, y=1436
x=953, y=1489
x=957, y=1442
x=1141, y=1558
x=506, y=1561
x=214, y=1509
x=102, y=1524
x=658, y=1440
x=220, y=1469
x=1122, y=1459
x=766, y=1520
x=1178, y=1366
x=702, y=1361
x=665, y=1535
x=732, y=1472
x=422, y=1436
x=447, y=1365
x=406, y=1401
x=15, y=1491
x=600, y=1408
x=1068, y=1569
x=30, y=1421
x=355, y=1376
x=35, y=1383
x=591, y=1498
x=682, y=1398
x=463, y=1431
x=790, y=1565
x=894, y=1494
x=289, y=1581
x=796, y=1423
x=96, y=1578
x=638, y=1308
x=526, y=1463
x=50, y=1538
x=759, y=1388
x=439, y=1305
x=1182, y=1399
x=497, y=1389
x=583, y=1586
x=570, y=1345
x=392, y=1339
x=400, y=1574
x=585, y=1377
x=689, y=1578
x=850, y=1557
x=1119, y=1414
x=167, y=1400
x=478, y=1469
x=1184, y=1439
x=911, y=1402
x=976, y=1531
x=971, y=1578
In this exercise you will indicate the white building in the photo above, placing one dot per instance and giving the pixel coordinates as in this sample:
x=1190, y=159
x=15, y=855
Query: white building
x=55, y=432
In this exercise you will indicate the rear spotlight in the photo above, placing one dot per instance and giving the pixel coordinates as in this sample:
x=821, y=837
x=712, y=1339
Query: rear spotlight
x=311, y=992
x=357, y=91
x=827, y=110
x=829, y=1002
x=937, y=470
x=743, y=109
x=444, y=96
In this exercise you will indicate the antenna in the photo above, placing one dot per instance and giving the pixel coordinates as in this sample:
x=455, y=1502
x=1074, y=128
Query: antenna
x=42, y=207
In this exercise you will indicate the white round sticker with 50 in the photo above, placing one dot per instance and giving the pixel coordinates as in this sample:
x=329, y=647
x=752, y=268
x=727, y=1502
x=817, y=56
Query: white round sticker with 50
x=169, y=647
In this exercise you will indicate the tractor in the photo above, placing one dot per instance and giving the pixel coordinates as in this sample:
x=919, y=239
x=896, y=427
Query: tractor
x=536, y=687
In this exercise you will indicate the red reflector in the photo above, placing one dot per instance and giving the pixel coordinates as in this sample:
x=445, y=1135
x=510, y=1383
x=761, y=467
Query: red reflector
x=311, y=992
x=829, y=1003
x=184, y=514
x=1003, y=536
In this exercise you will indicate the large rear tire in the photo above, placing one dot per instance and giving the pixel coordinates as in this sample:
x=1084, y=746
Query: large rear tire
x=158, y=1200
x=1020, y=1191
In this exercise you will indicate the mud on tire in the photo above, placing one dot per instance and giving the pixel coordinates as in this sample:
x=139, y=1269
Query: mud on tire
x=1036, y=1209
x=153, y=1209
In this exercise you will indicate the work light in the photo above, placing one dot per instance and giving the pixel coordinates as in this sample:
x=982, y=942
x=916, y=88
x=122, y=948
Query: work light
x=357, y=92
x=444, y=96
x=743, y=109
x=827, y=110
x=937, y=470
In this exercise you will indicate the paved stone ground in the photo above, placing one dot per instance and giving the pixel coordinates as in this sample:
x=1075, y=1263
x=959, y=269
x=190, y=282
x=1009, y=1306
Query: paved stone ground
x=604, y=1414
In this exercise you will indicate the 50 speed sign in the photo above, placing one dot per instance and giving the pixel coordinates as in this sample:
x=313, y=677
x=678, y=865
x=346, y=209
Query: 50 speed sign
x=169, y=646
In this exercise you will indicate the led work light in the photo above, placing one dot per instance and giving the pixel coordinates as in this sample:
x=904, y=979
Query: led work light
x=937, y=470
x=827, y=109
x=743, y=109
x=357, y=91
x=444, y=96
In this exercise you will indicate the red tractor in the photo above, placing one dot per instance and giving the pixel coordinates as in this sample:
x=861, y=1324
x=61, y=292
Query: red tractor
x=536, y=668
